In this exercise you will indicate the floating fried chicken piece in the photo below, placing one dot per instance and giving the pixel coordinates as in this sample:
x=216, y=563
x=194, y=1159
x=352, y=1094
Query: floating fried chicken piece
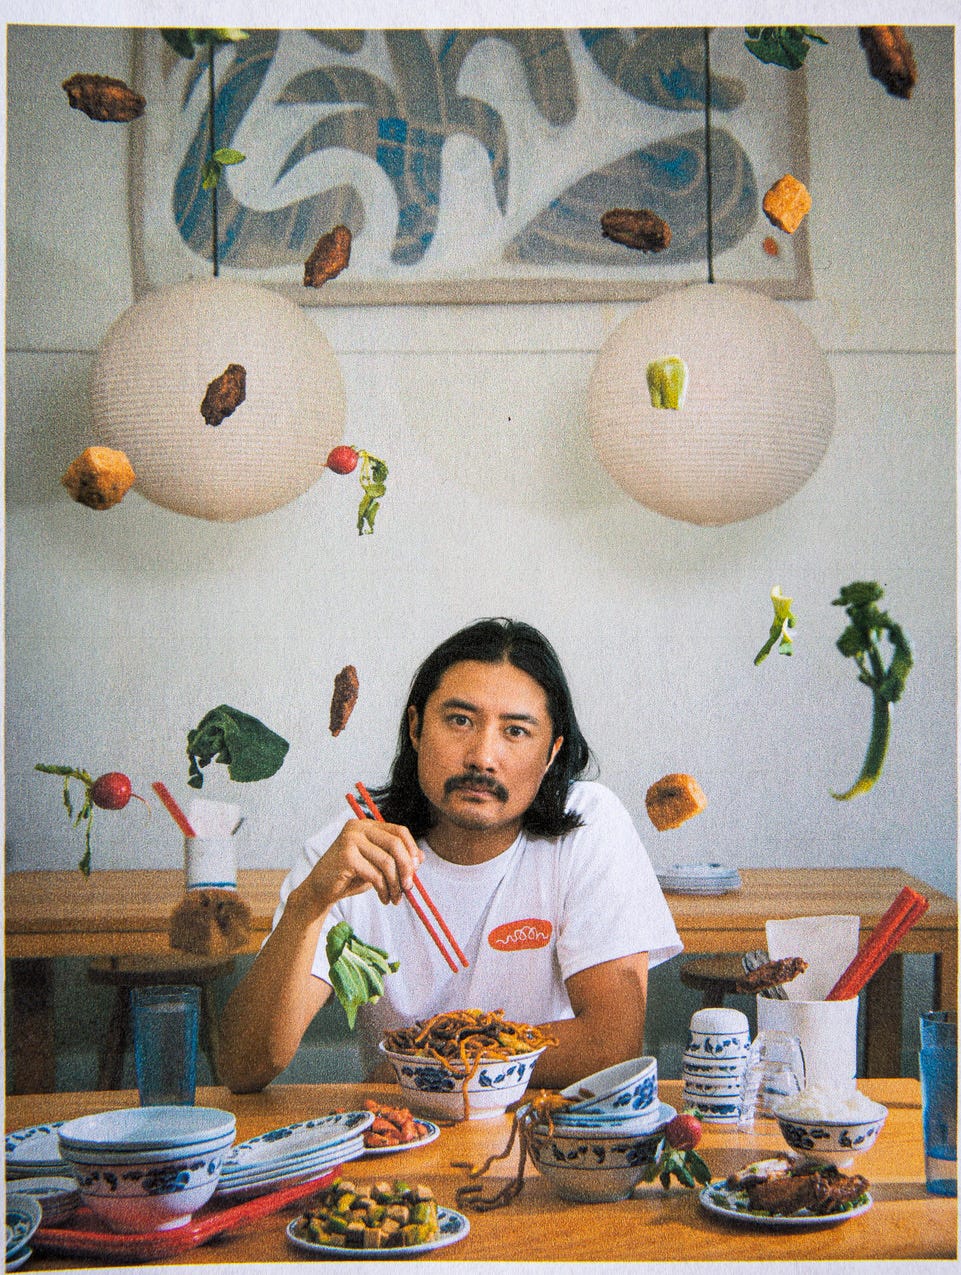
x=104, y=98
x=636, y=228
x=674, y=799
x=99, y=478
x=771, y=974
x=224, y=394
x=346, y=686
x=818, y=1189
x=330, y=255
x=890, y=58
x=787, y=203
x=210, y=922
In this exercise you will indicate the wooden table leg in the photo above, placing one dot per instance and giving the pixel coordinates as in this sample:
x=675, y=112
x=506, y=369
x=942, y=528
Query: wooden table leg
x=946, y=976
x=882, y=1020
x=30, y=1039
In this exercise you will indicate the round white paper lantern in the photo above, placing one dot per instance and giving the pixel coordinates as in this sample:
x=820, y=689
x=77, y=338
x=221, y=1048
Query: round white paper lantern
x=152, y=372
x=757, y=414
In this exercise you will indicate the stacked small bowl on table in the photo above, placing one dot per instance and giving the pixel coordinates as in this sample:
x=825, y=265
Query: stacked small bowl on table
x=598, y=1146
x=718, y=1044
x=142, y=1169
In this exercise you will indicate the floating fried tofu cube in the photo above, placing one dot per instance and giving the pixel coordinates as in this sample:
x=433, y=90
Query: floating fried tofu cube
x=99, y=477
x=787, y=203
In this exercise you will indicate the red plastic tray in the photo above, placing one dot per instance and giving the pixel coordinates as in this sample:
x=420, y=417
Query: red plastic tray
x=83, y=1238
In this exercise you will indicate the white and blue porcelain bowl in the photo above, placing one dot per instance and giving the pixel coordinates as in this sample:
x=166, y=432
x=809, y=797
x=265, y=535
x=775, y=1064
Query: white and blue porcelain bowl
x=437, y=1092
x=627, y=1088
x=834, y=1142
x=591, y=1167
x=136, y=1198
x=147, y=1128
x=719, y=1033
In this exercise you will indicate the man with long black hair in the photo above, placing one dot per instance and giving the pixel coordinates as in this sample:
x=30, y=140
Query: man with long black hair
x=538, y=872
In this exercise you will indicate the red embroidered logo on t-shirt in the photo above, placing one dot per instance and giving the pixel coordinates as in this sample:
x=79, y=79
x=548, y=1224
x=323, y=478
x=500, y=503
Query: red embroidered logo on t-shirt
x=516, y=936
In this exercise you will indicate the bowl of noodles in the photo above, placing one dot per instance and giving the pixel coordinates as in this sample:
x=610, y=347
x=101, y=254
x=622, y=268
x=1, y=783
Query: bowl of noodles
x=466, y=1064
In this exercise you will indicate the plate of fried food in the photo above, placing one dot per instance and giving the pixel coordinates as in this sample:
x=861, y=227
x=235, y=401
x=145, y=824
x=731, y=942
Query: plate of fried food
x=382, y=1219
x=396, y=1129
x=785, y=1192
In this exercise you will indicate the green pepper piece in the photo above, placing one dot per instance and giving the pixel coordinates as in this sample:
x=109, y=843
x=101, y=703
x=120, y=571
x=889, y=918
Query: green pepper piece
x=667, y=382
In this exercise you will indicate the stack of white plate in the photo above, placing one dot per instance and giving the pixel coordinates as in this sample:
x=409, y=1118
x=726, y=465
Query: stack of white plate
x=698, y=878
x=35, y=1152
x=294, y=1153
x=23, y=1218
x=57, y=1197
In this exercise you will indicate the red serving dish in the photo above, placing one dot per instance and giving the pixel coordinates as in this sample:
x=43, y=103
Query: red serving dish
x=83, y=1236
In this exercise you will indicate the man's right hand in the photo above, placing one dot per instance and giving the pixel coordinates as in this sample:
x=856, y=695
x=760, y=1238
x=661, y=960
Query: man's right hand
x=367, y=854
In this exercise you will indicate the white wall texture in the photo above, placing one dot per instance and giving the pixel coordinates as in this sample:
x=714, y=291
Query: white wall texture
x=123, y=628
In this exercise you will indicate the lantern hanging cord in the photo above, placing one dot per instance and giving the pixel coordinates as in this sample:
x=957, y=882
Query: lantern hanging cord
x=212, y=122
x=707, y=154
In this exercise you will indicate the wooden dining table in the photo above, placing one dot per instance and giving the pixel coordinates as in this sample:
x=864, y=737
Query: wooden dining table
x=125, y=912
x=904, y=1221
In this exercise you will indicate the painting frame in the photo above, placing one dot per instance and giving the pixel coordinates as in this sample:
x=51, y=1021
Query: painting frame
x=772, y=133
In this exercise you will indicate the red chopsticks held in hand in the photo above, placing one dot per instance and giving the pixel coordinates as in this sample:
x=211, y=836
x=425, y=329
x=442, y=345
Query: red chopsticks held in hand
x=361, y=814
x=907, y=908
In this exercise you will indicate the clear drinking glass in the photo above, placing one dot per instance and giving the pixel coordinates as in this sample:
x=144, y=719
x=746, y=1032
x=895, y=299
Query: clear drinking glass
x=166, y=1024
x=774, y=1071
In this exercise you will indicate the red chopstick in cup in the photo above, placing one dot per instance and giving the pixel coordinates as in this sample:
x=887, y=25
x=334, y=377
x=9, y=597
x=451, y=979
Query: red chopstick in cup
x=907, y=908
x=178, y=816
x=361, y=814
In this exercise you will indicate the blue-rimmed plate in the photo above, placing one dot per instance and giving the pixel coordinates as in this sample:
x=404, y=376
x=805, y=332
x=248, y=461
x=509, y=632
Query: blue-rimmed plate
x=731, y=1203
x=23, y=1218
x=433, y=1131
x=306, y=1137
x=453, y=1227
x=34, y=1150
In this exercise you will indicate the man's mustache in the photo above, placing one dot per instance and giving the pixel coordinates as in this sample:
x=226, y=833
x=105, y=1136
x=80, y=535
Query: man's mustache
x=476, y=781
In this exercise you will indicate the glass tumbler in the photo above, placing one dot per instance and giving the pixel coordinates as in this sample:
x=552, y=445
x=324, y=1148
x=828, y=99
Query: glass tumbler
x=774, y=1070
x=166, y=1024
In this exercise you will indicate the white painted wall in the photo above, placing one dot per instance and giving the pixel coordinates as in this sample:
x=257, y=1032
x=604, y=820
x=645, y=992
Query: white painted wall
x=123, y=628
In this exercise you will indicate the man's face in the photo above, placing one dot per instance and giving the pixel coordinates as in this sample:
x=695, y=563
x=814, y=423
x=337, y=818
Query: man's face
x=484, y=745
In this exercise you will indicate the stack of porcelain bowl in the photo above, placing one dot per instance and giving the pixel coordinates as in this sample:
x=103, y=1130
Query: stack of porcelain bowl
x=144, y=1169
x=717, y=1047
x=597, y=1147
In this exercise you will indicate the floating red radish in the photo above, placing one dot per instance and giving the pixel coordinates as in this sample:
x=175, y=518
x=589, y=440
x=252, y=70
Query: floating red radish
x=111, y=791
x=343, y=459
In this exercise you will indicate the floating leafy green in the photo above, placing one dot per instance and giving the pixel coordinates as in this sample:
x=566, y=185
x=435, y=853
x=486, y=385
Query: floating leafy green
x=248, y=748
x=373, y=480
x=357, y=969
x=860, y=642
x=216, y=164
x=781, y=625
x=784, y=46
x=85, y=813
x=186, y=40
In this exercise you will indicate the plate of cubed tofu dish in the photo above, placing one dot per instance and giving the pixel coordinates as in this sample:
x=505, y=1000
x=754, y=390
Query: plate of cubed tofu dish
x=380, y=1219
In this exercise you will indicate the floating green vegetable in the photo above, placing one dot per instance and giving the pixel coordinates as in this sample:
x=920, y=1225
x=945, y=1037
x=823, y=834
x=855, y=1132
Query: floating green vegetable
x=667, y=382
x=780, y=628
x=185, y=40
x=373, y=479
x=784, y=46
x=860, y=642
x=245, y=745
x=357, y=969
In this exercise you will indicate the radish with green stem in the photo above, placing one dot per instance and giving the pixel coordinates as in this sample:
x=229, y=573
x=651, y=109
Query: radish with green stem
x=111, y=791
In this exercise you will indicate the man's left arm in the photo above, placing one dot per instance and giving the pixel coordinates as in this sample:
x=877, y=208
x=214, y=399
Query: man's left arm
x=609, y=1001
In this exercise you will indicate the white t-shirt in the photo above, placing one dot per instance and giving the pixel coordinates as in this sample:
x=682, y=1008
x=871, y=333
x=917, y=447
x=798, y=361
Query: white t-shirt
x=526, y=921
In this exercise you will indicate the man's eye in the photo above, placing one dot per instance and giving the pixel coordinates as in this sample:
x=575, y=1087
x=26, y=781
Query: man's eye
x=458, y=719
x=518, y=732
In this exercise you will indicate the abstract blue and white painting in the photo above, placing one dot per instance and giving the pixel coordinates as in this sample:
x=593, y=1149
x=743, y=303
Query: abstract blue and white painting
x=470, y=164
